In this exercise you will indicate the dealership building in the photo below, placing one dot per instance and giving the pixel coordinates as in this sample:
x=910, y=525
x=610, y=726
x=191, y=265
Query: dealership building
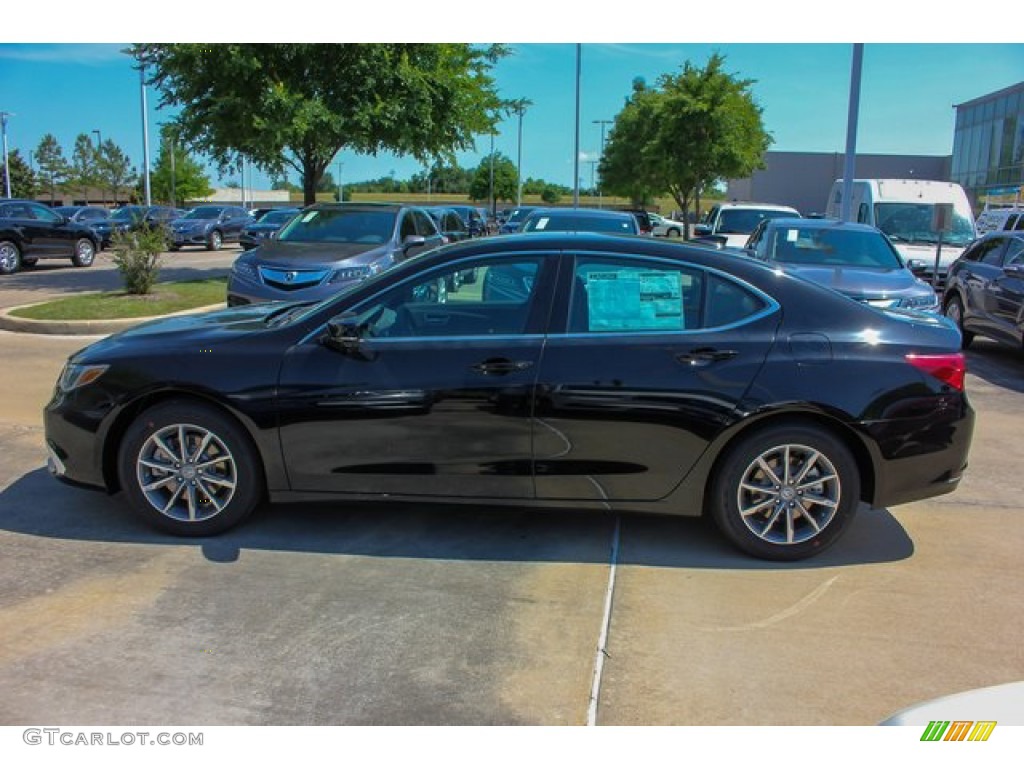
x=987, y=161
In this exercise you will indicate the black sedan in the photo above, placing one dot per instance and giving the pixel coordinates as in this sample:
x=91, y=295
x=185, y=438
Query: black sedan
x=984, y=292
x=635, y=374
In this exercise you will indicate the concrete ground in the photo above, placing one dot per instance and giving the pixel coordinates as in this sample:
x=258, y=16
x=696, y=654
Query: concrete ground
x=434, y=614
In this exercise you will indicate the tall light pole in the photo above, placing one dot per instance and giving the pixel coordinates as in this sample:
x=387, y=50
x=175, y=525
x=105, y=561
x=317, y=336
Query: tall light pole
x=576, y=148
x=99, y=145
x=341, y=189
x=7, y=167
x=600, y=191
x=849, y=163
x=174, y=191
x=519, y=107
x=494, y=203
x=145, y=137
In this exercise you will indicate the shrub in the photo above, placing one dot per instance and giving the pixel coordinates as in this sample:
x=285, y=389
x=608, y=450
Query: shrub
x=137, y=256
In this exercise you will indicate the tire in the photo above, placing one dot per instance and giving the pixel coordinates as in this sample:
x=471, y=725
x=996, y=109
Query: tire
x=954, y=310
x=85, y=252
x=798, y=509
x=173, y=248
x=214, y=241
x=211, y=486
x=673, y=232
x=10, y=257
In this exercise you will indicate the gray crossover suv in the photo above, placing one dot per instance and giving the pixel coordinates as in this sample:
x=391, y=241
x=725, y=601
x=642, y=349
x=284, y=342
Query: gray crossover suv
x=327, y=247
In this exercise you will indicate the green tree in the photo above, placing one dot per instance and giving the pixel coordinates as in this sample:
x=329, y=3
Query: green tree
x=693, y=130
x=23, y=179
x=114, y=170
x=300, y=104
x=83, y=171
x=505, y=179
x=550, y=194
x=53, y=167
x=176, y=175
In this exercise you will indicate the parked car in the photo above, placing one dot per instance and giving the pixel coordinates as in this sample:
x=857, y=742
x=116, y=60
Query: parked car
x=30, y=231
x=636, y=375
x=267, y=224
x=132, y=216
x=475, y=223
x=730, y=224
x=643, y=220
x=329, y=247
x=209, y=226
x=581, y=220
x=449, y=223
x=855, y=259
x=515, y=219
x=984, y=292
x=666, y=227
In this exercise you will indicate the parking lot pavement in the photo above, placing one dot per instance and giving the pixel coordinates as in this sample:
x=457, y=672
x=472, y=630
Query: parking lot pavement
x=412, y=614
x=54, y=278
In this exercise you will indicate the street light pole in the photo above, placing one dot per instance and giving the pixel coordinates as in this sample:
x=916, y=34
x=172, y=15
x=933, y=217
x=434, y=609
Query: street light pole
x=576, y=148
x=174, y=191
x=99, y=148
x=7, y=167
x=145, y=137
x=600, y=192
x=341, y=189
x=519, y=107
x=494, y=206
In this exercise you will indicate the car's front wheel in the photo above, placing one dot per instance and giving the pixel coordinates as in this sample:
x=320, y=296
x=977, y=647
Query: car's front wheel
x=214, y=241
x=189, y=469
x=786, y=492
x=10, y=257
x=954, y=310
x=85, y=252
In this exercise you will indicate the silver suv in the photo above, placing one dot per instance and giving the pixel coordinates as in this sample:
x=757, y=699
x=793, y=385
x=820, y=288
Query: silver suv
x=328, y=247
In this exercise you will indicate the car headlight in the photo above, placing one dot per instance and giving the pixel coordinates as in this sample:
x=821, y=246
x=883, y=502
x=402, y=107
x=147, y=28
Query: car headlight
x=928, y=300
x=347, y=274
x=74, y=375
x=244, y=269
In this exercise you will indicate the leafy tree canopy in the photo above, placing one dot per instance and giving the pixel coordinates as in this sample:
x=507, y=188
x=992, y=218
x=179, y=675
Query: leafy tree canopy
x=23, y=180
x=300, y=104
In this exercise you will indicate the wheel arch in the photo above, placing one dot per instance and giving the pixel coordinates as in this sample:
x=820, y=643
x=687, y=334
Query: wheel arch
x=851, y=439
x=271, y=465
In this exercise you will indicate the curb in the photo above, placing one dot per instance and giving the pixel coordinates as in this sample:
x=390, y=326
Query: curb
x=82, y=327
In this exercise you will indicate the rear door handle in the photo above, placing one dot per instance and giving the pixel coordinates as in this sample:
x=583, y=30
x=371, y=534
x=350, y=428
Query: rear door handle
x=499, y=366
x=705, y=356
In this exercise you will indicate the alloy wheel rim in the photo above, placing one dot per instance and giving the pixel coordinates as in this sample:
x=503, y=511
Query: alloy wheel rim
x=85, y=251
x=788, y=494
x=953, y=313
x=186, y=472
x=8, y=257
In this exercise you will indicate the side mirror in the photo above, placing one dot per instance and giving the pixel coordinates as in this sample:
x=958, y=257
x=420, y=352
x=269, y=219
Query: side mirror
x=345, y=334
x=701, y=230
x=917, y=266
x=413, y=241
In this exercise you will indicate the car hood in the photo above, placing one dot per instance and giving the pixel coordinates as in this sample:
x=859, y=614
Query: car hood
x=185, y=330
x=287, y=255
x=859, y=282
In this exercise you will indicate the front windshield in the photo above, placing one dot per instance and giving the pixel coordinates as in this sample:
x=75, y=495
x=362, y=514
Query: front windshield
x=546, y=222
x=276, y=217
x=912, y=223
x=743, y=221
x=340, y=225
x=203, y=212
x=833, y=248
x=128, y=213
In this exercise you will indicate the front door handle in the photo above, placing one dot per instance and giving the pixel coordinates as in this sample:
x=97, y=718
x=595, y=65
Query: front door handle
x=705, y=356
x=499, y=366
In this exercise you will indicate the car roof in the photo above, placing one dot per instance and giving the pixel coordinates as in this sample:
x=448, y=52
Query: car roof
x=758, y=206
x=853, y=226
x=590, y=212
x=364, y=206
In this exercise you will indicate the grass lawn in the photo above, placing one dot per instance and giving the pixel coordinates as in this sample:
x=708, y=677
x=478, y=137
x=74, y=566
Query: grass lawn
x=163, y=299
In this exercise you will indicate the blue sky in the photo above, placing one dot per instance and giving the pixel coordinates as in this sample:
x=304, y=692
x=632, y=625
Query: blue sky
x=907, y=98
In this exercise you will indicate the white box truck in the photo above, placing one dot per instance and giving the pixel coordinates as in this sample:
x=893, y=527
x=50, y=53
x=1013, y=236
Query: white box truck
x=904, y=209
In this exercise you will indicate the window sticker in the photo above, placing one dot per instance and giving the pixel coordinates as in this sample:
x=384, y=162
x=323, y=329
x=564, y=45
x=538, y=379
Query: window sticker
x=630, y=300
x=791, y=235
x=542, y=223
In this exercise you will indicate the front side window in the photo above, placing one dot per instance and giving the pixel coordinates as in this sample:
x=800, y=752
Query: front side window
x=205, y=212
x=1014, y=252
x=480, y=298
x=994, y=253
x=43, y=213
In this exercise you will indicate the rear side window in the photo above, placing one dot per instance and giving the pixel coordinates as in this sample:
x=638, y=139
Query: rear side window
x=610, y=296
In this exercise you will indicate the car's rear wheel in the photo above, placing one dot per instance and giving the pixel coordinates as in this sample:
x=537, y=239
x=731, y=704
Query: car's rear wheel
x=85, y=252
x=954, y=310
x=214, y=241
x=189, y=469
x=10, y=258
x=786, y=492
x=673, y=232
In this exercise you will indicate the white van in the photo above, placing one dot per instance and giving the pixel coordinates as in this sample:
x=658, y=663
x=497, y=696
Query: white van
x=903, y=210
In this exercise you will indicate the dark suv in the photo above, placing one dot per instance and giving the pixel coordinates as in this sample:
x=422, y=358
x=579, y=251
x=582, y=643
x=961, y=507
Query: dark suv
x=30, y=231
x=328, y=247
x=984, y=292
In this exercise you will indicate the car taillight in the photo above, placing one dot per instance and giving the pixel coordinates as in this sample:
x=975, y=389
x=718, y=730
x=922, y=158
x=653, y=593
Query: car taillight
x=949, y=369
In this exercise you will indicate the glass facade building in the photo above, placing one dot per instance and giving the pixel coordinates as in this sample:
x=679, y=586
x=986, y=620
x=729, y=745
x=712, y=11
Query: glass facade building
x=988, y=147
